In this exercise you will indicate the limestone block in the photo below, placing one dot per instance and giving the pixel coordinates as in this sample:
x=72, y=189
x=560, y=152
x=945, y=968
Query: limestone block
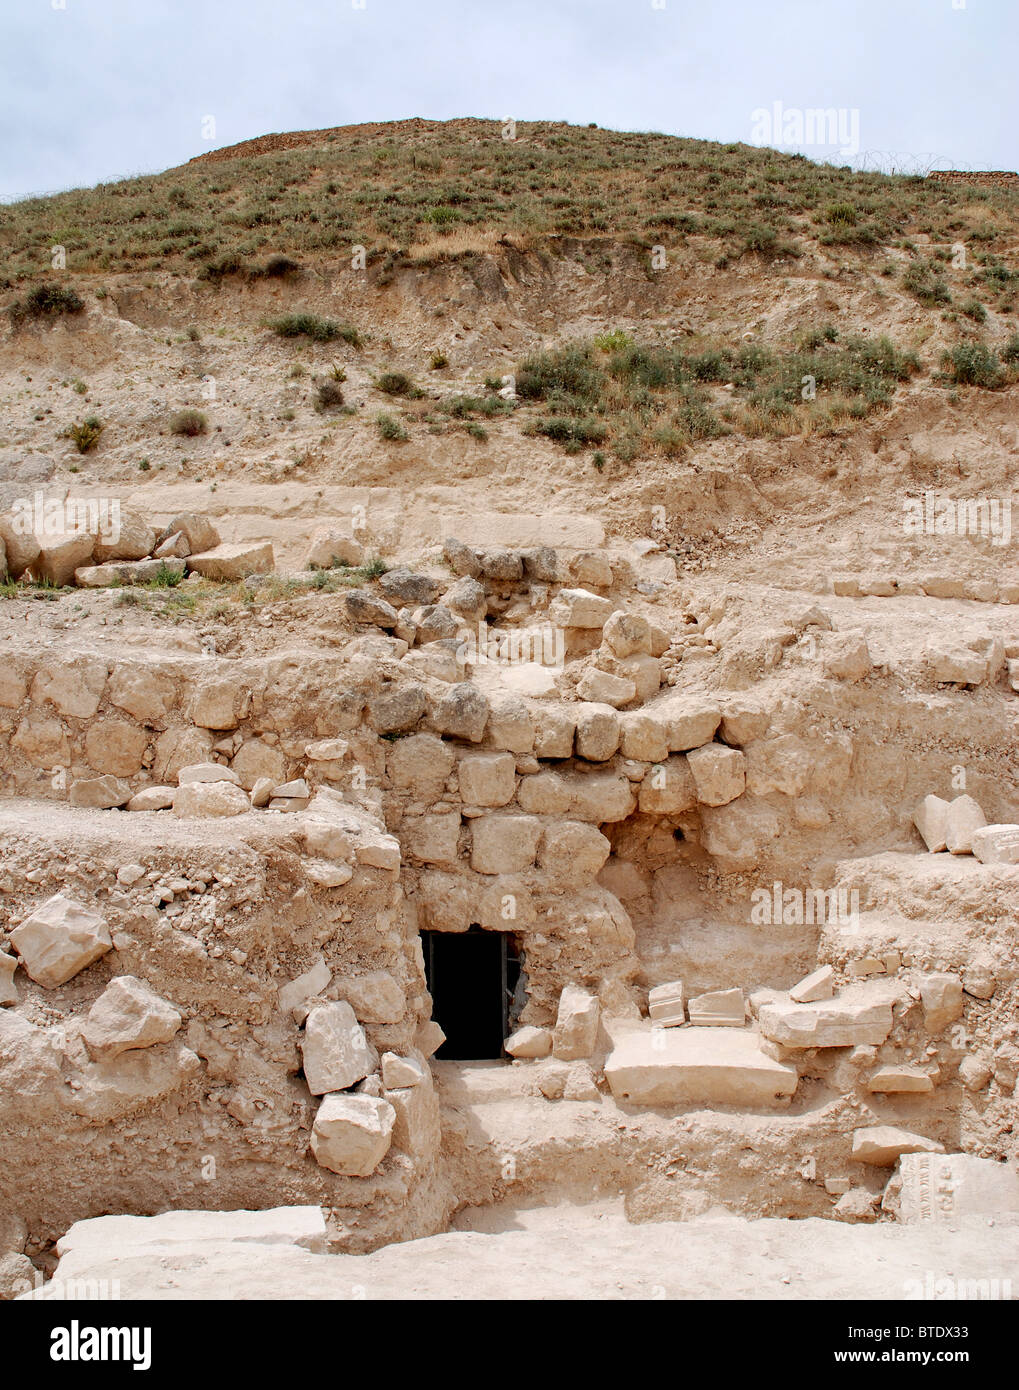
x=255, y=760
x=432, y=839
x=74, y=688
x=862, y=1014
x=996, y=844
x=964, y=817
x=152, y=799
x=691, y=721
x=207, y=772
x=881, y=1145
x=8, y=991
x=60, y=556
x=554, y=728
x=931, y=819
x=510, y=725
x=846, y=656
x=572, y=852
x=818, y=985
x=330, y=548
x=401, y=1072
x=365, y=607
x=718, y=1008
x=352, y=1134
x=59, y=939
x=627, y=634
x=644, y=736
x=196, y=528
x=487, y=779
x=397, y=710
x=128, y=1014
x=706, y=1066
x=719, y=773
x=782, y=764
x=941, y=1188
x=900, y=1078
x=600, y=687
x=529, y=1042
x=420, y=764
x=576, y=1029
x=206, y=800
x=462, y=712
x=598, y=732
x=101, y=793
x=504, y=843
x=304, y=986
x=228, y=563
x=957, y=666
x=403, y=586
x=665, y=1005
x=335, y=1049
x=668, y=789
x=941, y=995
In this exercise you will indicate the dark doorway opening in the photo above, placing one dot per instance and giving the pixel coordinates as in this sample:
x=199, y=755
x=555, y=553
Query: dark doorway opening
x=473, y=978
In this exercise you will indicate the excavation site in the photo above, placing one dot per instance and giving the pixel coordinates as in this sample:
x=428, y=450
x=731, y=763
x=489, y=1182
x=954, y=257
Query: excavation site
x=509, y=654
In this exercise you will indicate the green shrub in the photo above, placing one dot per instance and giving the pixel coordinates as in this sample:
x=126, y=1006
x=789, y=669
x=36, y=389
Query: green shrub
x=46, y=301
x=974, y=310
x=189, y=422
x=612, y=340
x=329, y=396
x=280, y=268
x=437, y=361
x=398, y=384
x=86, y=435
x=312, y=326
x=973, y=364
x=215, y=271
x=1010, y=352
x=390, y=428
x=164, y=578
x=923, y=280
x=568, y=370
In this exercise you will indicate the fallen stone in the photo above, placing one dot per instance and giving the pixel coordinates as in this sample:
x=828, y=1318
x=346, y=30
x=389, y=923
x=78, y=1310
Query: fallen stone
x=958, y=667
x=8, y=992
x=814, y=987
x=600, y=687
x=964, y=817
x=59, y=939
x=580, y=1083
x=375, y=996
x=401, y=586
x=207, y=772
x=197, y=530
x=352, y=1134
x=335, y=1050
x=330, y=548
x=152, y=799
x=996, y=844
x=60, y=556
x=128, y=1014
x=576, y=1029
x=942, y=1188
x=210, y=799
x=719, y=1008
x=626, y=634
x=856, y=1017
x=892, y=1080
x=461, y=558
x=364, y=607
x=399, y=1072
x=578, y=608
x=665, y=1005
x=881, y=1145
x=102, y=793
x=304, y=986
x=529, y=1042
x=116, y=572
x=941, y=995
x=175, y=547
x=228, y=563
x=931, y=820
x=706, y=1066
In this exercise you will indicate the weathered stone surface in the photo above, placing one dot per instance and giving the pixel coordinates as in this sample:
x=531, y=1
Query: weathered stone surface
x=59, y=939
x=8, y=990
x=330, y=548
x=964, y=817
x=597, y=736
x=487, y=779
x=304, y=986
x=668, y=789
x=782, y=764
x=554, y=728
x=529, y=1042
x=397, y=710
x=73, y=688
x=400, y=1072
x=626, y=634
x=467, y=599
x=541, y=564
x=957, y=666
x=402, y=586
x=708, y=1066
x=335, y=1049
x=572, y=852
x=600, y=687
x=580, y=1083
x=718, y=1008
x=744, y=719
x=228, y=563
x=299, y=1226
x=434, y=623
x=417, y=1128
x=576, y=1028
x=996, y=844
x=818, y=985
x=900, y=1078
x=60, y=556
x=461, y=558
x=931, y=819
x=352, y=1134
x=125, y=572
x=210, y=799
x=510, y=725
x=102, y=793
x=365, y=607
x=196, y=528
x=152, y=799
x=128, y=1014
x=665, y=1005
x=114, y=746
x=144, y=693
x=255, y=760
x=21, y=547
x=941, y=995
x=691, y=722
x=503, y=566
x=644, y=737
x=719, y=773
x=463, y=713
x=175, y=547
x=432, y=839
x=504, y=843
x=881, y=1145
x=856, y=1016
x=578, y=608
x=846, y=657
x=941, y=1188
x=207, y=772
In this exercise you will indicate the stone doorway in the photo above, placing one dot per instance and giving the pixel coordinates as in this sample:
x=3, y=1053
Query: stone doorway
x=474, y=978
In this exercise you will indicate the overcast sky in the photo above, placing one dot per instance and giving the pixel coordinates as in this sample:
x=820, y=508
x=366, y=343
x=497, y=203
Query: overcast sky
x=94, y=90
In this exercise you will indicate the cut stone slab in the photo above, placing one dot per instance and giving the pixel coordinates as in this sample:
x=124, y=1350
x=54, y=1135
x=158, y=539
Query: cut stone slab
x=718, y=1008
x=207, y=772
x=705, y=1066
x=964, y=817
x=313, y=981
x=8, y=965
x=881, y=1145
x=941, y=1188
x=665, y=1005
x=59, y=939
x=931, y=820
x=576, y=1028
x=579, y=608
x=100, y=793
x=335, y=1049
x=352, y=1134
x=941, y=995
x=152, y=799
x=128, y=1014
x=905, y=1078
x=856, y=1016
x=529, y=1042
x=996, y=844
x=227, y=563
x=814, y=987
x=399, y=1072
x=301, y=1226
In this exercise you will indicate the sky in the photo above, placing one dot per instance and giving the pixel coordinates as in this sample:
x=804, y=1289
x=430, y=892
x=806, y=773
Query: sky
x=95, y=90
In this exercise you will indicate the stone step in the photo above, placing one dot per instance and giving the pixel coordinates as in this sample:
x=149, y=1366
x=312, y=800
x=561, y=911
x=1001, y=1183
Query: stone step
x=704, y=1066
